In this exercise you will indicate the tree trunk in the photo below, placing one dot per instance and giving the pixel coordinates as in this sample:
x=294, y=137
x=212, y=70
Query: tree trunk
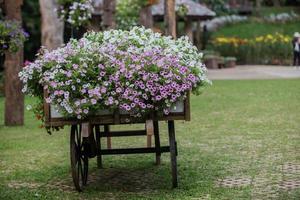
x=170, y=18
x=198, y=35
x=108, y=17
x=14, y=98
x=52, y=26
x=258, y=4
x=276, y=3
x=146, y=19
x=188, y=29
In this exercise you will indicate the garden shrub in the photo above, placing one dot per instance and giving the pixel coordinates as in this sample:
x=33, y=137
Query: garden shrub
x=266, y=49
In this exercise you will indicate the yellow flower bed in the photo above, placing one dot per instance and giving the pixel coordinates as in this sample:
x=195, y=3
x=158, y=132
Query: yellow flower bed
x=266, y=49
x=235, y=41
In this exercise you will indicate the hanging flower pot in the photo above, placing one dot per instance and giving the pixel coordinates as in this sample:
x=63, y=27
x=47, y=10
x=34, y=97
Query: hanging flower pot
x=12, y=36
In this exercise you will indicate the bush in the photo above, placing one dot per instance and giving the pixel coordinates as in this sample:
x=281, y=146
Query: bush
x=266, y=49
x=127, y=13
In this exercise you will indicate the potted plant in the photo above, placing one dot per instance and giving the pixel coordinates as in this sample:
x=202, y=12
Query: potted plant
x=211, y=61
x=230, y=62
x=12, y=36
x=136, y=71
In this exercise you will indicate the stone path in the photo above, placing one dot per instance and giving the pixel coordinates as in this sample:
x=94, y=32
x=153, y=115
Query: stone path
x=254, y=72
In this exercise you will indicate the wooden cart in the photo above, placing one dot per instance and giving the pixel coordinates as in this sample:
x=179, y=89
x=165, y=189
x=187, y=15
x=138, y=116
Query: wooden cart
x=85, y=137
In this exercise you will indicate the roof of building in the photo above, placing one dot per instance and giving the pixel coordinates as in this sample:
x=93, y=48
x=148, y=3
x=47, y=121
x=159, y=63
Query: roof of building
x=196, y=11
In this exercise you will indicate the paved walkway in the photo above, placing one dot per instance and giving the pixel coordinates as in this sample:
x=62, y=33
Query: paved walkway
x=254, y=72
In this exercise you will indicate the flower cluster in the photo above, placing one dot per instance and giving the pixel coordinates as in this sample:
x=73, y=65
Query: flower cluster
x=230, y=40
x=269, y=38
x=138, y=71
x=76, y=13
x=12, y=36
x=265, y=49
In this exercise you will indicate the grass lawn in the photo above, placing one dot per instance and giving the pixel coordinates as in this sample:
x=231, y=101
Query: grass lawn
x=242, y=132
x=252, y=29
x=255, y=28
x=266, y=11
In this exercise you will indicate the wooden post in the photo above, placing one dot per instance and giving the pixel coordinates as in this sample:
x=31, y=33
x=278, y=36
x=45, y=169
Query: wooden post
x=170, y=22
x=173, y=152
x=146, y=18
x=150, y=130
x=108, y=17
x=170, y=18
x=198, y=35
x=98, y=142
x=14, y=98
x=106, y=132
x=157, y=142
x=188, y=29
x=52, y=26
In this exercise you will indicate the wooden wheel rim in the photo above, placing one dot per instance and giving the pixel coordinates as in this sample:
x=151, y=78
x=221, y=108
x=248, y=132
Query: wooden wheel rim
x=79, y=161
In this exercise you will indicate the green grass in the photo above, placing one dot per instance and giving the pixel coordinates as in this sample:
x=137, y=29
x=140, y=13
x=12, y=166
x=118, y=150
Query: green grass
x=256, y=27
x=252, y=29
x=244, y=129
x=266, y=11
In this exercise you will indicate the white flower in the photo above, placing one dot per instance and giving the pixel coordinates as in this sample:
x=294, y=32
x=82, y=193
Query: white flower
x=28, y=107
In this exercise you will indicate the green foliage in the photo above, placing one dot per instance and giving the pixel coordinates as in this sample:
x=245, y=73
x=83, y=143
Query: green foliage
x=219, y=6
x=182, y=10
x=32, y=24
x=266, y=11
x=253, y=28
x=127, y=13
x=276, y=54
x=266, y=49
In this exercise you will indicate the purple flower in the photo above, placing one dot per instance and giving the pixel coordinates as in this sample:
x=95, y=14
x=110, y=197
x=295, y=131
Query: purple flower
x=93, y=101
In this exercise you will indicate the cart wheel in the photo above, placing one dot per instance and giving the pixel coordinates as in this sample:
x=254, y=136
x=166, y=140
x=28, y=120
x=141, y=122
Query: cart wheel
x=79, y=159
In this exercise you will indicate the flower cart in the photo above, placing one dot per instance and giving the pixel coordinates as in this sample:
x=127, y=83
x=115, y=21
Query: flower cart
x=111, y=78
x=83, y=133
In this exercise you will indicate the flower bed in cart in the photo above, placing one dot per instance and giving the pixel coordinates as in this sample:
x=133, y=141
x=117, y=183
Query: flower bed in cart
x=136, y=71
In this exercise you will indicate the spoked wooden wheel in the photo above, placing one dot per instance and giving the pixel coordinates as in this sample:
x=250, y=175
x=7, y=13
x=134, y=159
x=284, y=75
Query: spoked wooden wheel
x=79, y=158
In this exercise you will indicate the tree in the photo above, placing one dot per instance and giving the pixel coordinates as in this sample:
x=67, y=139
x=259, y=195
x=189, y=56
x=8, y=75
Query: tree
x=14, y=98
x=258, y=4
x=276, y=3
x=170, y=18
x=145, y=17
x=52, y=26
x=108, y=17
